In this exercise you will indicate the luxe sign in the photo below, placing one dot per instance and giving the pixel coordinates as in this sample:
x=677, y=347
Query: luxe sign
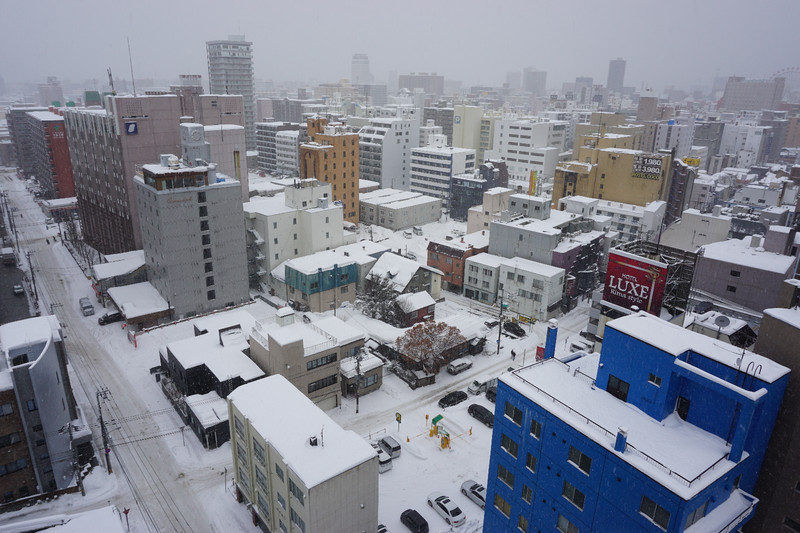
x=634, y=280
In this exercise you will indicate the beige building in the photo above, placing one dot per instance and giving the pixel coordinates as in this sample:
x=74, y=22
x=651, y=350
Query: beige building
x=613, y=172
x=467, y=121
x=295, y=468
x=307, y=354
x=495, y=201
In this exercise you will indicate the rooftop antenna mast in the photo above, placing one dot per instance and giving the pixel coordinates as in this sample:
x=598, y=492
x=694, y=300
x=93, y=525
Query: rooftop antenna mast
x=130, y=60
x=111, y=81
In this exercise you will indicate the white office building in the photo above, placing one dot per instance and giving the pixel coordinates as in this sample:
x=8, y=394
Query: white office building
x=432, y=168
x=677, y=134
x=529, y=145
x=630, y=221
x=398, y=210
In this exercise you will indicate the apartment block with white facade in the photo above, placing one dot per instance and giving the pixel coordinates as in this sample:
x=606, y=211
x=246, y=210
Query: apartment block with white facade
x=287, y=153
x=432, y=168
x=677, y=134
x=266, y=142
x=398, y=210
x=230, y=71
x=385, y=150
x=631, y=221
x=301, y=221
x=295, y=468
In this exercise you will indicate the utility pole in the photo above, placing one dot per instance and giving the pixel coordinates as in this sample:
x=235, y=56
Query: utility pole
x=33, y=277
x=104, y=394
x=500, y=326
x=75, y=461
x=358, y=375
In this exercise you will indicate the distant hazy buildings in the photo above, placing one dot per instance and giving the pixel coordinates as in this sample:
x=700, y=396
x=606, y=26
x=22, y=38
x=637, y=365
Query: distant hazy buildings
x=429, y=83
x=230, y=71
x=534, y=81
x=742, y=94
x=50, y=93
x=616, y=75
x=359, y=70
x=106, y=146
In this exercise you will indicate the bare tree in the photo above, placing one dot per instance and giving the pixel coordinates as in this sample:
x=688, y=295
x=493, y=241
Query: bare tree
x=426, y=343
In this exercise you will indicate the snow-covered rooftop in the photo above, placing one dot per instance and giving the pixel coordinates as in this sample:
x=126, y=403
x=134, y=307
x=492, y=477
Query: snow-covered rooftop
x=739, y=252
x=398, y=269
x=138, y=300
x=478, y=239
x=268, y=205
x=413, y=301
x=788, y=316
x=349, y=369
x=224, y=362
x=339, y=330
x=46, y=116
x=362, y=252
x=676, y=340
x=288, y=430
x=533, y=266
x=119, y=265
x=22, y=333
x=487, y=259
x=209, y=409
x=326, y=259
x=682, y=448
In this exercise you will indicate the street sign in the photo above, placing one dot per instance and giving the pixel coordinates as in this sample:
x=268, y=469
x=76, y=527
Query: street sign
x=398, y=417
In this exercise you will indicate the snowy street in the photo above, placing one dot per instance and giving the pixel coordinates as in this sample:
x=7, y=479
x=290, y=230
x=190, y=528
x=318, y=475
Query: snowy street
x=162, y=473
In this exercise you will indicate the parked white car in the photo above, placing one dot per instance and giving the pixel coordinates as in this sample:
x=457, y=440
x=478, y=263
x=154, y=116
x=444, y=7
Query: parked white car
x=475, y=492
x=448, y=510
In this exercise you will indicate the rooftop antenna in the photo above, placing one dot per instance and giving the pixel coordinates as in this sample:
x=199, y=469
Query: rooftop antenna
x=111, y=81
x=130, y=60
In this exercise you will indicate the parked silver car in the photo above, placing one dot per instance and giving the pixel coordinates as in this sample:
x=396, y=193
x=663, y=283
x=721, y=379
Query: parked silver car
x=447, y=509
x=475, y=492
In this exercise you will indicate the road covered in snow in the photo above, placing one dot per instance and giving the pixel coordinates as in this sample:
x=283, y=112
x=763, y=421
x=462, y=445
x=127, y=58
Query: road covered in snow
x=162, y=473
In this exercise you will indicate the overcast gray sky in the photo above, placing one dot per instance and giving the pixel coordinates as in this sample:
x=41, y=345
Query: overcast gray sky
x=680, y=42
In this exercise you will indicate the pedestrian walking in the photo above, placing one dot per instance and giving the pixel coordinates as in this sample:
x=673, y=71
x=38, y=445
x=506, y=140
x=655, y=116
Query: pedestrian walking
x=513, y=355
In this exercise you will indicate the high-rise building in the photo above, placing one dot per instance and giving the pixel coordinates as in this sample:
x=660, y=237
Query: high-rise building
x=675, y=134
x=193, y=235
x=529, y=145
x=332, y=157
x=590, y=444
x=442, y=115
x=359, y=70
x=230, y=71
x=106, y=147
x=17, y=120
x=266, y=142
x=616, y=75
x=433, y=167
x=534, y=81
x=50, y=152
x=50, y=93
x=741, y=94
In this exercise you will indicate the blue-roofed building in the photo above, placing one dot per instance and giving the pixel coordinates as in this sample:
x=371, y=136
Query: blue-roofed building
x=665, y=430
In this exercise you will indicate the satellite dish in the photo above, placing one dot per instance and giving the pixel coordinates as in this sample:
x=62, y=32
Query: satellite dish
x=722, y=321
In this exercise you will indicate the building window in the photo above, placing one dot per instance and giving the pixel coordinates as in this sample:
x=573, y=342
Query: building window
x=509, y=445
x=582, y=461
x=565, y=526
x=296, y=492
x=513, y=414
x=522, y=523
x=32, y=405
x=259, y=452
x=6, y=409
x=322, y=383
x=505, y=476
x=730, y=288
x=657, y=514
x=8, y=440
x=209, y=281
x=527, y=493
x=502, y=505
x=321, y=361
x=790, y=524
x=239, y=426
x=698, y=513
x=655, y=380
x=281, y=501
x=205, y=239
x=203, y=211
x=204, y=225
x=617, y=388
x=206, y=253
x=530, y=463
x=536, y=428
x=211, y=295
x=279, y=471
x=209, y=267
x=201, y=197
x=576, y=497
x=298, y=521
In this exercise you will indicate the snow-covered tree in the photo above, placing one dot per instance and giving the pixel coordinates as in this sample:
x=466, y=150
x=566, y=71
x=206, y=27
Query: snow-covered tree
x=427, y=341
x=379, y=300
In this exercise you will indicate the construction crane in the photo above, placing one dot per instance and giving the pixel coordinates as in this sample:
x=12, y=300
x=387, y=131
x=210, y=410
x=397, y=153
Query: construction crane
x=111, y=82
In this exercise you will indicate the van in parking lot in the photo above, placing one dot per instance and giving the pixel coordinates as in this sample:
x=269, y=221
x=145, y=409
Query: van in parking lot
x=481, y=383
x=417, y=230
x=459, y=365
x=390, y=446
x=86, y=306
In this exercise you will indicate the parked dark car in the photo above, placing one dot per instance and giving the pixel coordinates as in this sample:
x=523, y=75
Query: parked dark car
x=452, y=398
x=514, y=329
x=108, y=318
x=491, y=393
x=414, y=521
x=481, y=414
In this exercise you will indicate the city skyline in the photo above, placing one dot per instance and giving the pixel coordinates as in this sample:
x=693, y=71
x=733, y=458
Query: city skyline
x=686, y=49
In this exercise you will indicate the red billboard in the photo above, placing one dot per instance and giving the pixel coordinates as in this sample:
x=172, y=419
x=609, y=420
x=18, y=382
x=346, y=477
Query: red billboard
x=635, y=280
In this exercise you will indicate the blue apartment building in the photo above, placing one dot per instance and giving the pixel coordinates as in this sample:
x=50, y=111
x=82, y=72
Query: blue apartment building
x=665, y=430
